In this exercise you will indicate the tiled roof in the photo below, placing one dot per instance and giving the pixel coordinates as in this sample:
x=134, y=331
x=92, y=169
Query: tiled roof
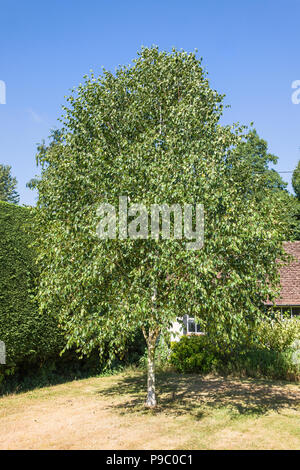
x=290, y=277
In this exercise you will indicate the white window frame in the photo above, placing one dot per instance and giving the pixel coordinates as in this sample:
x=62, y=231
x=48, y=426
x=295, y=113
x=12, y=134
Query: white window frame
x=197, y=326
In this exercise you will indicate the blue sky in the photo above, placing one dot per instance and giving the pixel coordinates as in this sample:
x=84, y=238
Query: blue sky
x=249, y=48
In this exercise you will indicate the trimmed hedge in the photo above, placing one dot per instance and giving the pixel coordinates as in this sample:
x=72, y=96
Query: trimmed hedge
x=33, y=341
x=29, y=336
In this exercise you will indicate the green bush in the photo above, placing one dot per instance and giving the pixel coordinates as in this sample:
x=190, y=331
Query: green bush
x=200, y=355
x=194, y=354
x=263, y=363
x=277, y=334
x=271, y=353
x=53, y=371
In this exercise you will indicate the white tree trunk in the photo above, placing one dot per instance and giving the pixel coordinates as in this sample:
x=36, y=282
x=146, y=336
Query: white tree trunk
x=151, y=343
x=151, y=398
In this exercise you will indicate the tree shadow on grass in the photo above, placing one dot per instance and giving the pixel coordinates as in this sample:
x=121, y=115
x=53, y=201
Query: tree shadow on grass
x=199, y=396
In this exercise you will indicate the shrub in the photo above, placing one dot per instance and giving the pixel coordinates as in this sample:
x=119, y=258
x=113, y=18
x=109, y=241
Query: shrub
x=273, y=354
x=53, y=371
x=278, y=334
x=272, y=351
x=194, y=354
x=263, y=363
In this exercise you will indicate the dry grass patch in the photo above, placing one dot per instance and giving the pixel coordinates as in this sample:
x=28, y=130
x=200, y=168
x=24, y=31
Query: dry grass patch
x=193, y=412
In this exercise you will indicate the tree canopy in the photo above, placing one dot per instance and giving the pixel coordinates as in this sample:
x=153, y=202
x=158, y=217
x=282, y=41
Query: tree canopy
x=151, y=132
x=296, y=181
x=8, y=184
x=296, y=187
x=255, y=150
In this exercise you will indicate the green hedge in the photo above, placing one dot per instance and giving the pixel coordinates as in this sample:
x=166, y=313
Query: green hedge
x=29, y=337
x=34, y=341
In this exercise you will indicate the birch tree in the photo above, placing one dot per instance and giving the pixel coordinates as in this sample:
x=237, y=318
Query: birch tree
x=151, y=132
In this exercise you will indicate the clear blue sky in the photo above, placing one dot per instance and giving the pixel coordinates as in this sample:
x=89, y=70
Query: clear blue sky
x=250, y=49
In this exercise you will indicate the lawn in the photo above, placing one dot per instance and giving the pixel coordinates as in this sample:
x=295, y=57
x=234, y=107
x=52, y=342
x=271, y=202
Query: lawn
x=193, y=413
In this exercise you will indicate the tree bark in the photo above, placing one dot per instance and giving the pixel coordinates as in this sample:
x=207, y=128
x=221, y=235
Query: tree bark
x=151, y=343
x=151, y=397
x=151, y=338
